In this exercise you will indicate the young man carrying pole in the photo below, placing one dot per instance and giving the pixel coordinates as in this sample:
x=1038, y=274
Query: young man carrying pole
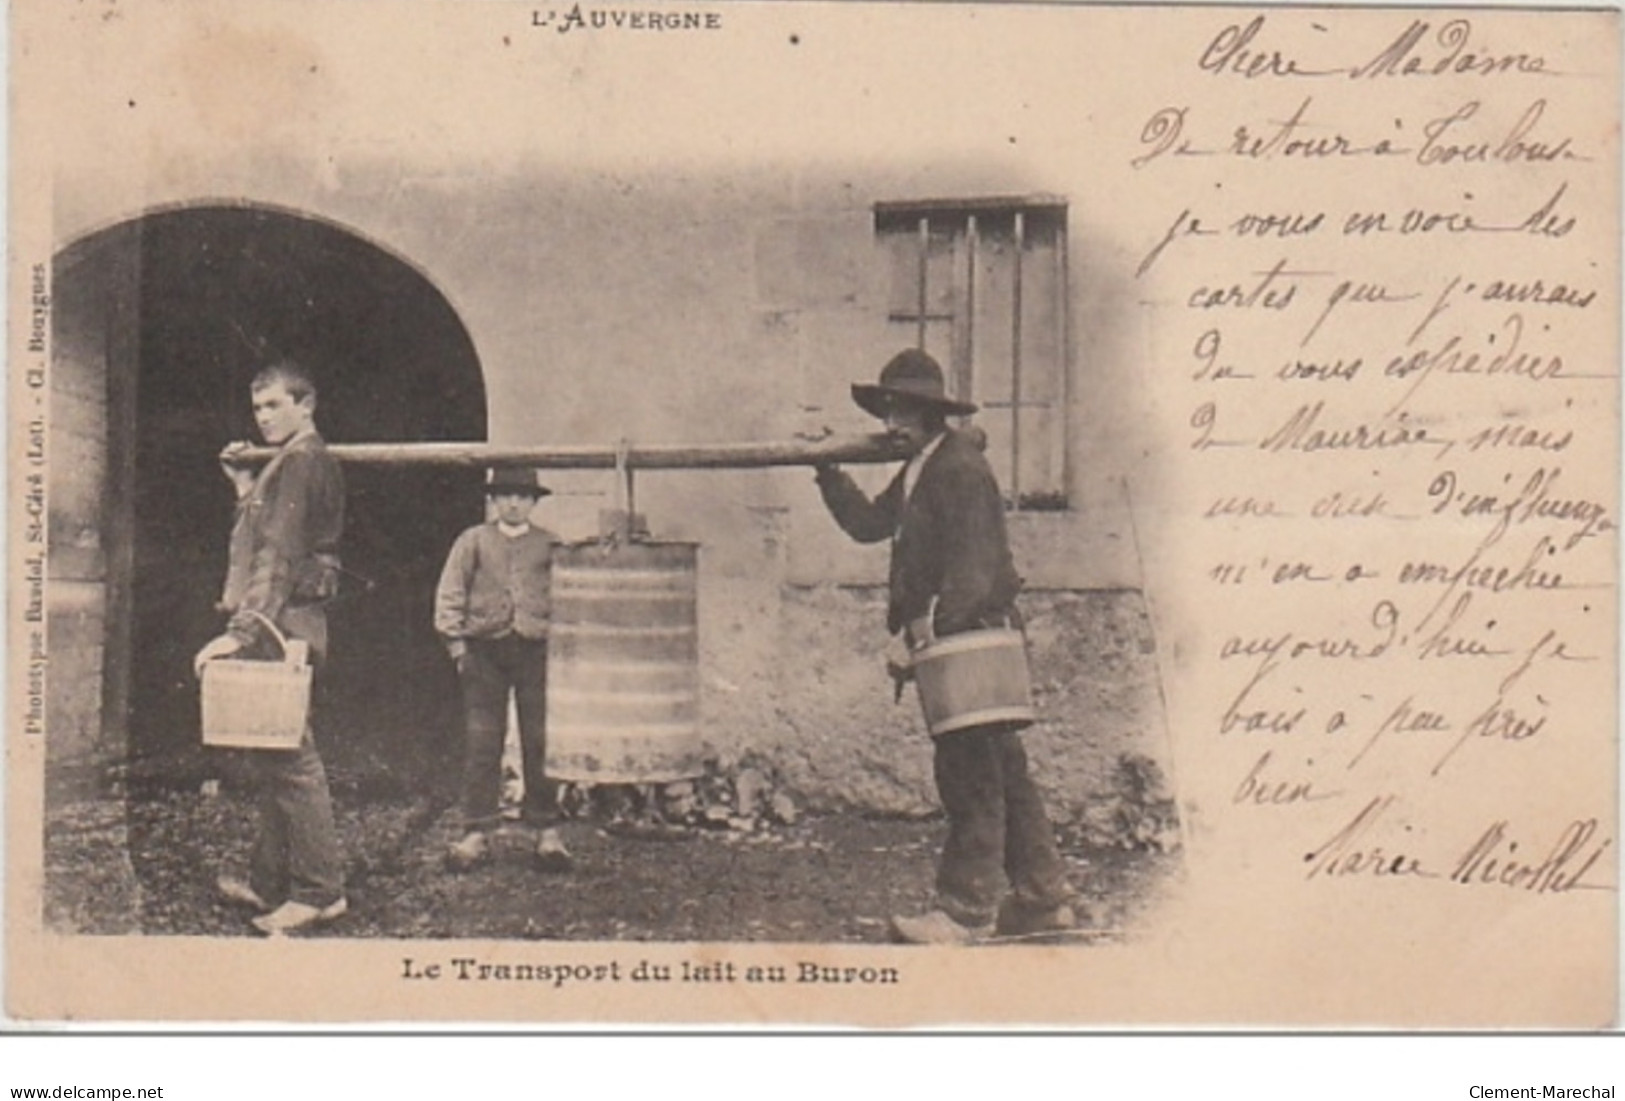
x=282, y=568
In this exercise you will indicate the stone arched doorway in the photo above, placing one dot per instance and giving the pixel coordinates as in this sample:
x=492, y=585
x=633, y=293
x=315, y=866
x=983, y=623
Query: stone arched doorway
x=159, y=323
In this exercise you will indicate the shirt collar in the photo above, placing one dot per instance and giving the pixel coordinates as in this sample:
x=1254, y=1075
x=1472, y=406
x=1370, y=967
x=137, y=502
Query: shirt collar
x=911, y=472
x=513, y=531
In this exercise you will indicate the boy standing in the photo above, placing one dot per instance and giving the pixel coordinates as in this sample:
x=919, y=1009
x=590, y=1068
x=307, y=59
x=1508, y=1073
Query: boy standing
x=491, y=610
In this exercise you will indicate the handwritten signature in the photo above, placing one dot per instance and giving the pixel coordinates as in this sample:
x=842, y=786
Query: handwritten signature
x=1494, y=857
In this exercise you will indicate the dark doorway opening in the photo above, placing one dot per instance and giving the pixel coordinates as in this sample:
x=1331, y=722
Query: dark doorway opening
x=211, y=294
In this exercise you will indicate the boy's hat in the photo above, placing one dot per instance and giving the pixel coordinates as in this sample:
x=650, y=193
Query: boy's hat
x=514, y=479
x=914, y=377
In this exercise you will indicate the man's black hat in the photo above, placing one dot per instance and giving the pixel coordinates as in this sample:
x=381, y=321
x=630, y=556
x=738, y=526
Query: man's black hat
x=912, y=376
x=514, y=479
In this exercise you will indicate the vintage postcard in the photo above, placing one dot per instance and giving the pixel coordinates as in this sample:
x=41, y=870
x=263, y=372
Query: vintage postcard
x=888, y=514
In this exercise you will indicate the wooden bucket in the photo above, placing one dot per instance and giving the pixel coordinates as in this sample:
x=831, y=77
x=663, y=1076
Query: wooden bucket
x=623, y=682
x=257, y=704
x=974, y=678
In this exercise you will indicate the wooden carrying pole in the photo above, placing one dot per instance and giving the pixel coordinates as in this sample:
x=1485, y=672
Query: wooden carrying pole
x=877, y=448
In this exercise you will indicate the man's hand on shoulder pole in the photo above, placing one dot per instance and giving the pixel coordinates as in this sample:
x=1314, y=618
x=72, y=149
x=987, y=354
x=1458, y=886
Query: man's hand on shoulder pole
x=237, y=472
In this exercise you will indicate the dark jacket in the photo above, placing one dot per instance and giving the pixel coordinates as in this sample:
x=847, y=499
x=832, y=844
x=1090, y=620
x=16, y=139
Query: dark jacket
x=285, y=541
x=493, y=586
x=949, y=541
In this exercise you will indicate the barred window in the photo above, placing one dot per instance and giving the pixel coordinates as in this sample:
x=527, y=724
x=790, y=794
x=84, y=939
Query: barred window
x=981, y=284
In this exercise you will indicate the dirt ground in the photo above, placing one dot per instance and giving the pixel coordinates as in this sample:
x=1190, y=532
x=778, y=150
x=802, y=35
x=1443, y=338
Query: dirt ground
x=833, y=878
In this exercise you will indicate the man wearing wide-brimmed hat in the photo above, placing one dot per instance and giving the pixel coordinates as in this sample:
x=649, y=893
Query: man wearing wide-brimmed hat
x=951, y=572
x=492, y=611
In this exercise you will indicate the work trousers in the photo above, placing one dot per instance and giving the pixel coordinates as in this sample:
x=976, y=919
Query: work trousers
x=997, y=828
x=296, y=851
x=489, y=671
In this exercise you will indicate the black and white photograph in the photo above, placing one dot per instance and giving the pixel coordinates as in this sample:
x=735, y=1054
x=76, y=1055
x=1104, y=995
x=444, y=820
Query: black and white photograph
x=870, y=514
